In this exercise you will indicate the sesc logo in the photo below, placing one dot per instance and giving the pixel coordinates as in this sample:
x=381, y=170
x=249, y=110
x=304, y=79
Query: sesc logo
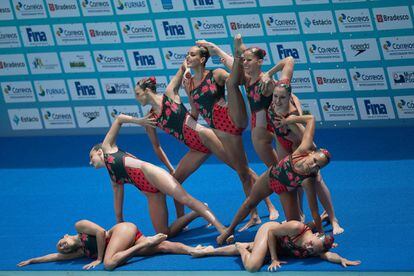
x=37, y=35
x=6, y=11
x=398, y=47
x=288, y=49
x=25, y=118
x=377, y=108
x=110, y=61
x=281, y=23
x=317, y=22
x=145, y=59
x=102, y=33
x=117, y=88
x=96, y=7
x=28, y=9
x=70, y=34
x=9, y=37
x=17, y=92
x=310, y=107
x=301, y=81
x=131, y=6
x=246, y=25
x=91, y=116
x=338, y=109
x=331, y=80
x=361, y=49
x=77, y=62
x=167, y=5
x=84, y=89
x=401, y=77
x=62, y=8
x=137, y=31
x=51, y=90
x=405, y=106
x=58, y=117
x=235, y=4
x=174, y=56
x=209, y=27
x=368, y=79
x=131, y=110
x=196, y=5
x=13, y=65
x=324, y=51
x=356, y=20
x=391, y=18
x=44, y=63
x=173, y=29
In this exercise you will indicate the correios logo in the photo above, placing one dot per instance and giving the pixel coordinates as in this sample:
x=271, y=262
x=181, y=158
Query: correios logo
x=386, y=45
x=47, y=115
x=403, y=104
x=168, y=55
x=7, y=89
x=19, y=6
x=337, y=108
x=126, y=28
x=356, y=76
x=28, y=7
x=342, y=17
x=59, y=31
x=171, y=55
x=312, y=49
x=198, y=24
x=99, y=58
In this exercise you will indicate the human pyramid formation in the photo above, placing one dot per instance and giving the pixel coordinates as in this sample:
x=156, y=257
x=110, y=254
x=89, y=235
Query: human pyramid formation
x=293, y=166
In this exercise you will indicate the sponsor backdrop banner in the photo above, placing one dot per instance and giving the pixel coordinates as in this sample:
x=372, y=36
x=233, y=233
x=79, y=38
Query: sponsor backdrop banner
x=70, y=66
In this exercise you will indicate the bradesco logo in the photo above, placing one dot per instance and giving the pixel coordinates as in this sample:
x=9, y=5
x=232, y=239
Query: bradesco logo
x=209, y=27
x=357, y=20
x=324, y=51
x=377, y=108
x=399, y=47
x=70, y=34
x=118, y=88
x=101, y=33
x=361, y=49
x=110, y=61
x=9, y=37
x=401, y=77
x=62, y=8
x=25, y=118
x=58, y=117
x=84, y=89
x=281, y=23
x=174, y=56
x=317, y=22
x=173, y=29
x=331, y=80
x=96, y=7
x=131, y=6
x=91, y=116
x=12, y=65
x=368, y=78
x=288, y=49
x=19, y=91
x=338, y=109
x=26, y=9
x=391, y=18
x=193, y=5
x=137, y=31
x=130, y=110
x=37, y=35
x=405, y=106
x=145, y=59
x=51, y=90
x=246, y=25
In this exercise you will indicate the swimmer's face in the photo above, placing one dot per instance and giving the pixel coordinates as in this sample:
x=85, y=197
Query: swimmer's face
x=316, y=161
x=141, y=95
x=96, y=159
x=281, y=96
x=66, y=244
x=194, y=58
x=314, y=244
x=251, y=63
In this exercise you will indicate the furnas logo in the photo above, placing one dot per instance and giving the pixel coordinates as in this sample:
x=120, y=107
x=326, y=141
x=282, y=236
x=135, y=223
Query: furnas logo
x=84, y=89
x=51, y=90
x=356, y=20
x=399, y=47
x=317, y=22
x=246, y=25
x=62, y=8
x=281, y=23
x=173, y=29
x=288, y=49
x=368, y=78
x=145, y=59
x=209, y=27
x=324, y=51
x=203, y=4
x=96, y=7
x=26, y=9
x=131, y=6
x=377, y=108
x=338, y=109
x=405, y=106
x=391, y=18
x=37, y=35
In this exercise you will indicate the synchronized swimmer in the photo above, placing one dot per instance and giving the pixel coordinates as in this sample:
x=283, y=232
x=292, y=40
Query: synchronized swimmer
x=292, y=167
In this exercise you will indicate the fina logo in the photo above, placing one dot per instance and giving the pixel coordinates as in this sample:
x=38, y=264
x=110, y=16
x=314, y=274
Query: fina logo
x=375, y=109
x=172, y=30
x=35, y=36
x=143, y=60
x=386, y=45
x=16, y=120
x=283, y=53
x=203, y=2
x=84, y=90
x=7, y=89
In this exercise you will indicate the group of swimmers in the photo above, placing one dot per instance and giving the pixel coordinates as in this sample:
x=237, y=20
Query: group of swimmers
x=293, y=166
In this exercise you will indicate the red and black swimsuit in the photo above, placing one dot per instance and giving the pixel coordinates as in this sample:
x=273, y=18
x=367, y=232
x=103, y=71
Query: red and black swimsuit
x=120, y=174
x=258, y=102
x=286, y=246
x=175, y=120
x=283, y=177
x=90, y=247
x=209, y=100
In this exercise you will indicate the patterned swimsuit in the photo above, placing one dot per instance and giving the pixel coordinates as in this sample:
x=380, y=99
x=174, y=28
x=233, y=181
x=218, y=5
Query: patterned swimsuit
x=283, y=177
x=209, y=100
x=175, y=120
x=258, y=102
x=120, y=174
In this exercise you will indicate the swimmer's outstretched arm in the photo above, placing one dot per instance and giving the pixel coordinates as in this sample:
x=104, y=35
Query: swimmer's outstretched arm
x=53, y=257
x=337, y=259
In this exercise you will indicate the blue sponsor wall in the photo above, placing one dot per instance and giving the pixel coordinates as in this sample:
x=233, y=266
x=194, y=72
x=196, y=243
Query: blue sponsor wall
x=69, y=66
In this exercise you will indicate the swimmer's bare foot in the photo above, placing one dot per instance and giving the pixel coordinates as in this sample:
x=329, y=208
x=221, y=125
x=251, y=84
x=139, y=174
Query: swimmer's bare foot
x=273, y=213
x=225, y=236
x=201, y=252
x=156, y=239
x=252, y=222
x=336, y=228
